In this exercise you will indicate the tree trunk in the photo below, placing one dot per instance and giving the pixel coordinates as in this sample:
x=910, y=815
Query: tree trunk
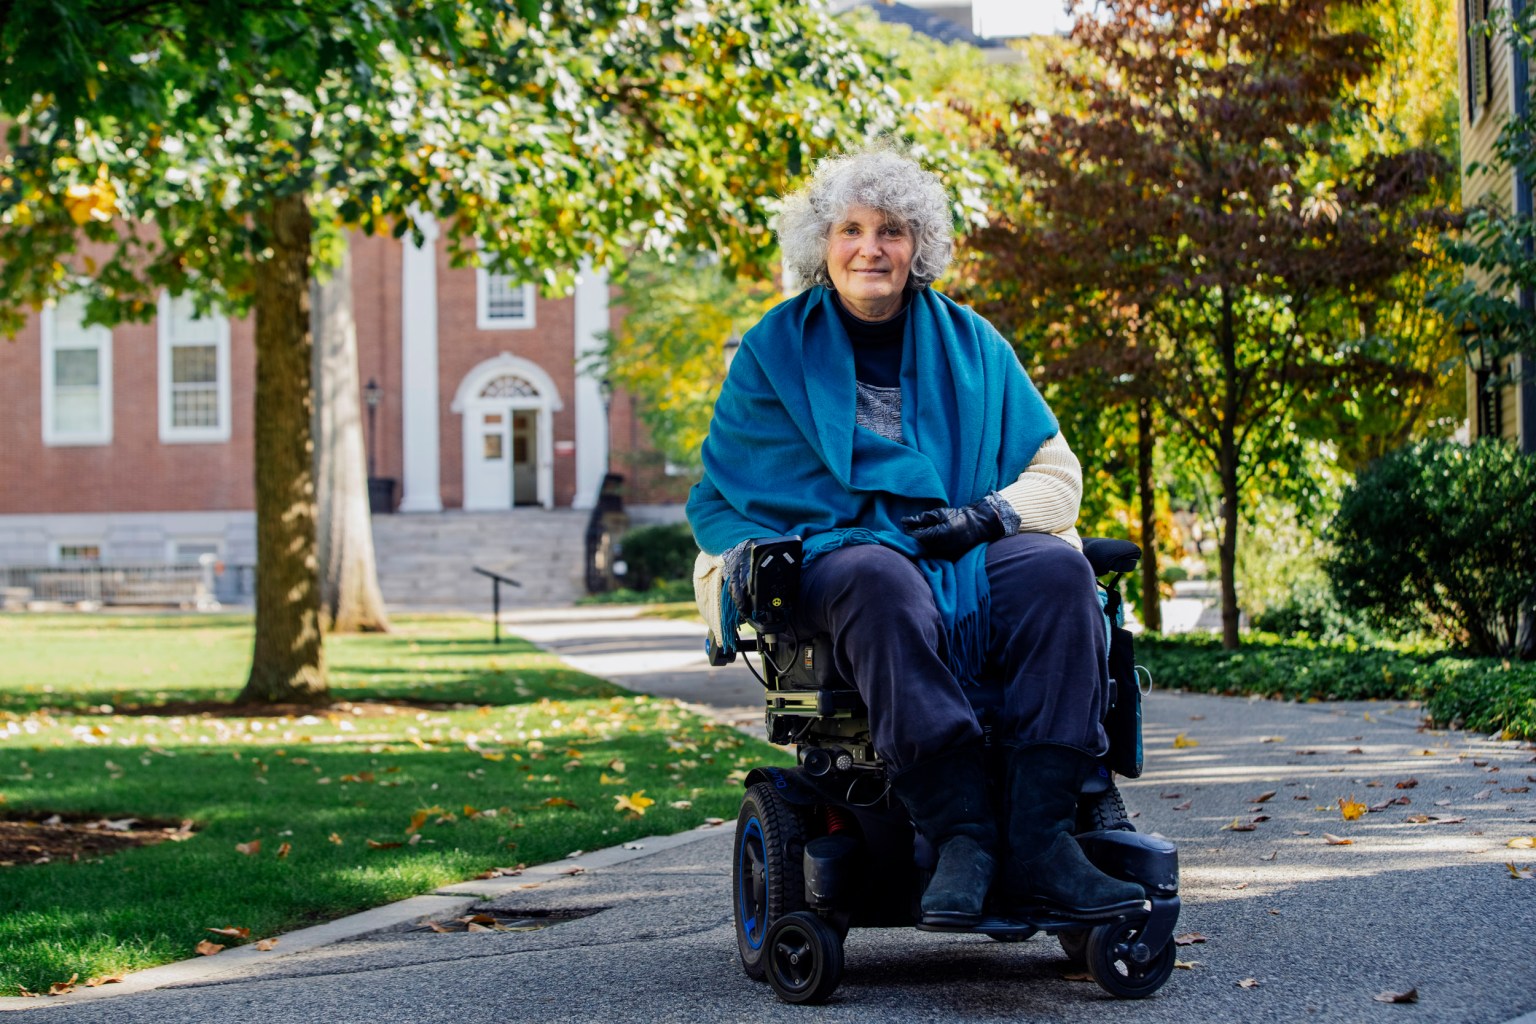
x=1227, y=460
x=1151, y=600
x=350, y=600
x=286, y=665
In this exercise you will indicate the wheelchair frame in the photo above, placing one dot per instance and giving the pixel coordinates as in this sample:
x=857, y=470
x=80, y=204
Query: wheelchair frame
x=824, y=846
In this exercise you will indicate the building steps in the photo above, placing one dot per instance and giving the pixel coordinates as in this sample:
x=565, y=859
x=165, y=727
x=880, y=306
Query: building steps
x=427, y=560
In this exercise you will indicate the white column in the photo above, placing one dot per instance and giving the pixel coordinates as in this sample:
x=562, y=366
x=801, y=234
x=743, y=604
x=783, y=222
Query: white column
x=418, y=372
x=591, y=426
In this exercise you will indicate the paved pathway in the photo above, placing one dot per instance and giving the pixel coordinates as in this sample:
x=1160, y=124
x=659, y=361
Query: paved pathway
x=1320, y=928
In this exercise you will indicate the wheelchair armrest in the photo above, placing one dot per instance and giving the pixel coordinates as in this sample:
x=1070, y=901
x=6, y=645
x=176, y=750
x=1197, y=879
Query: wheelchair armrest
x=1107, y=556
x=773, y=583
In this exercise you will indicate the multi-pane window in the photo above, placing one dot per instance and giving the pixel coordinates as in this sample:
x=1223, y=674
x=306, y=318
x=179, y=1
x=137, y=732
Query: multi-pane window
x=503, y=301
x=77, y=377
x=1479, y=61
x=194, y=373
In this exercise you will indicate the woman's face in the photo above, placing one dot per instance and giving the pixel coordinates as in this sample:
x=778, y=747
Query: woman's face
x=868, y=258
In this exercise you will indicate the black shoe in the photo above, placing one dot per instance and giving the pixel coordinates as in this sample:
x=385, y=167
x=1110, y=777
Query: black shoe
x=959, y=885
x=1046, y=866
x=947, y=799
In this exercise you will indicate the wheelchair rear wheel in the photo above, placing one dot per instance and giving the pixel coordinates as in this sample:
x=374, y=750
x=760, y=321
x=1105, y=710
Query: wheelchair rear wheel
x=768, y=880
x=1106, y=810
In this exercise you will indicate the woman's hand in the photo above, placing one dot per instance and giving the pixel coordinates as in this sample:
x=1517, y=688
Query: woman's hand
x=949, y=533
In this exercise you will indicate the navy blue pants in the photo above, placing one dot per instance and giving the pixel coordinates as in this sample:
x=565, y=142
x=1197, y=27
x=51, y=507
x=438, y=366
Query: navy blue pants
x=1046, y=644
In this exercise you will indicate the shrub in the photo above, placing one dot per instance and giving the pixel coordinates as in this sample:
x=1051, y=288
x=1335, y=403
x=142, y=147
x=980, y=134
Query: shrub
x=1442, y=537
x=663, y=552
x=1485, y=694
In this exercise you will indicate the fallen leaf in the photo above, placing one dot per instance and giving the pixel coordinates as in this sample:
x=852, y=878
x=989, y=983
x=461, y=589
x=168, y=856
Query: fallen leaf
x=1266, y=795
x=1522, y=843
x=493, y=755
x=1442, y=803
x=1078, y=976
x=560, y=801
x=1170, y=796
x=1449, y=821
x=113, y=979
x=232, y=932
x=635, y=802
x=474, y=927
x=60, y=988
x=249, y=849
x=1186, y=965
x=265, y=945
x=1248, y=983
x=1514, y=789
x=1333, y=840
x=374, y=844
x=1271, y=739
x=1271, y=856
x=1354, y=750
x=1407, y=783
x=1181, y=741
x=1238, y=825
x=1183, y=806
x=1419, y=819
x=1410, y=996
x=206, y=948
x=1482, y=794
x=1520, y=873
x=1257, y=818
x=1188, y=939
x=284, y=850
x=335, y=838
x=1351, y=809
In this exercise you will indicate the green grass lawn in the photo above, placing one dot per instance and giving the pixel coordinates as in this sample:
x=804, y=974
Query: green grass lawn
x=469, y=756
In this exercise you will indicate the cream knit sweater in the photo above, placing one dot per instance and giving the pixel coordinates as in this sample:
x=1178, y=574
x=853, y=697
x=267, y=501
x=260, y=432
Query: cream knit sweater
x=1046, y=496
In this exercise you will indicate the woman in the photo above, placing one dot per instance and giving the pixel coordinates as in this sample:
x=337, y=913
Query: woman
x=897, y=434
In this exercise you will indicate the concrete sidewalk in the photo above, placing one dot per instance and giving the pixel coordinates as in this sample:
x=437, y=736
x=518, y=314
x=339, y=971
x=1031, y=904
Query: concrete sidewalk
x=646, y=934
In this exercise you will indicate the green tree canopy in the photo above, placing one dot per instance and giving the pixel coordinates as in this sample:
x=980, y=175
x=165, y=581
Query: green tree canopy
x=209, y=147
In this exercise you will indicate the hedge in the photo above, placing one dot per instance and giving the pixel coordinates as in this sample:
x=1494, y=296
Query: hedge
x=1481, y=694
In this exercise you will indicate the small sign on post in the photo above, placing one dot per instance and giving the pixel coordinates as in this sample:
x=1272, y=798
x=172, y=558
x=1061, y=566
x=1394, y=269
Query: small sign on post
x=497, y=579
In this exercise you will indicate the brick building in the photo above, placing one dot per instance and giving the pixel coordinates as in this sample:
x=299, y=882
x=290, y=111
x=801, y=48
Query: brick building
x=133, y=445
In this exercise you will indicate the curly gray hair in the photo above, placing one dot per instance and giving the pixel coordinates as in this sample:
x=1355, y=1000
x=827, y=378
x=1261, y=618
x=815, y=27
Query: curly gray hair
x=883, y=179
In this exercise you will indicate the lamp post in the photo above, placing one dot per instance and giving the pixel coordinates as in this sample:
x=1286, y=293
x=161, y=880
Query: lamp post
x=372, y=395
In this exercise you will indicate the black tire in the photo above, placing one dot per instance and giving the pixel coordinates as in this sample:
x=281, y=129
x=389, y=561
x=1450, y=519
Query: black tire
x=804, y=958
x=1110, y=961
x=768, y=874
x=1106, y=810
x=1074, y=943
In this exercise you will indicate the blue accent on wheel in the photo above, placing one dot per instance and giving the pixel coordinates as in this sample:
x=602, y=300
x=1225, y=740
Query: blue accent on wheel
x=753, y=867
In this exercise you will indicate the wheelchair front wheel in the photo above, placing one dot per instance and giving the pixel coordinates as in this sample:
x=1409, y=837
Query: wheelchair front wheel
x=1121, y=965
x=768, y=879
x=805, y=958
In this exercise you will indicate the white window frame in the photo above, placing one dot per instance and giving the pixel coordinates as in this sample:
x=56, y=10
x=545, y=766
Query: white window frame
x=170, y=434
x=483, y=318
x=173, y=546
x=52, y=436
x=56, y=550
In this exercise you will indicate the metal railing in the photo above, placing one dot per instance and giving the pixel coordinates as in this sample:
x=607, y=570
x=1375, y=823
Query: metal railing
x=181, y=586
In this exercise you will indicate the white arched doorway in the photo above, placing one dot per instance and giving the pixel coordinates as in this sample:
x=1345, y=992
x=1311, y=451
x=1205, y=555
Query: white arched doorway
x=508, y=407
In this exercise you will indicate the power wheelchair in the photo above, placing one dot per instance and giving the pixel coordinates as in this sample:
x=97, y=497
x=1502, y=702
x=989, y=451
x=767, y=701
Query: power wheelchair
x=825, y=846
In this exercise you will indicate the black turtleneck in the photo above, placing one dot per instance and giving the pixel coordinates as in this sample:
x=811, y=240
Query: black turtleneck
x=876, y=346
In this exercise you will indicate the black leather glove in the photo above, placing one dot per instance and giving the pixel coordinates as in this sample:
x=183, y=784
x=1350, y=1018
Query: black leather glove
x=949, y=533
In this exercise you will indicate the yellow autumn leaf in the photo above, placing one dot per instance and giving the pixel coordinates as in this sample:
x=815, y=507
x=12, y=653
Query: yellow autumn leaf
x=611, y=780
x=1181, y=741
x=1351, y=808
x=493, y=755
x=635, y=802
x=1522, y=843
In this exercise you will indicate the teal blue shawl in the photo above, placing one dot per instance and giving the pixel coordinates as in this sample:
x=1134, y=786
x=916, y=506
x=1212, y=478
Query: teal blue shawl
x=784, y=455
